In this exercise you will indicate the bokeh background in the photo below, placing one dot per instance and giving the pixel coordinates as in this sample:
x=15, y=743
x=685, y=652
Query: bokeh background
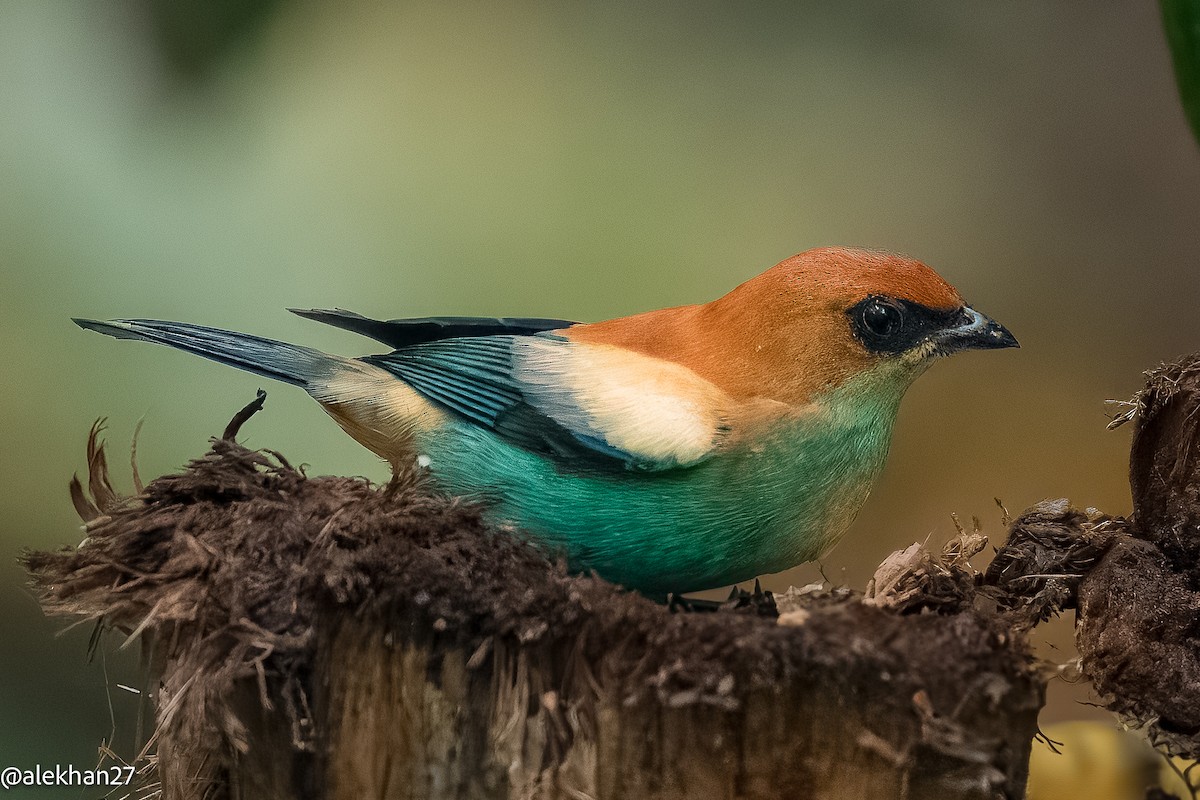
x=218, y=161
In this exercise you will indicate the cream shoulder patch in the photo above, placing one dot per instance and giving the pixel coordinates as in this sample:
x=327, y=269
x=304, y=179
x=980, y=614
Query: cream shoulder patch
x=659, y=412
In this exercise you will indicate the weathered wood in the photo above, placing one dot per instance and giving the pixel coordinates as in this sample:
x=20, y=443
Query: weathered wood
x=411, y=721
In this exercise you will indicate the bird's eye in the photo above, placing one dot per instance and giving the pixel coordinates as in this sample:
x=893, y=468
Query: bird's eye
x=882, y=318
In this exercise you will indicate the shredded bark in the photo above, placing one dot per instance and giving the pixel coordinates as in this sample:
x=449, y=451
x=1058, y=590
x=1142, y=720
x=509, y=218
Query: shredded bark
x=1164, y=468
x=1138, y=629
x=914, y=580
x=1050, y=549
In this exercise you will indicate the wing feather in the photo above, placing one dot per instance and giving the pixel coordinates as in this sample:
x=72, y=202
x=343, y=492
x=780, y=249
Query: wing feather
x=401, y=333
x=582, y=404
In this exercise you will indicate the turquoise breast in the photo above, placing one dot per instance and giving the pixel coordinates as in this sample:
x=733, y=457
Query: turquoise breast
x=746, y=511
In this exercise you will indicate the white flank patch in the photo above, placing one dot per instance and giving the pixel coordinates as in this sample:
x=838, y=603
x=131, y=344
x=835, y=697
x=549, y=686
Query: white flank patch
x=423, y=461
x=655, y=410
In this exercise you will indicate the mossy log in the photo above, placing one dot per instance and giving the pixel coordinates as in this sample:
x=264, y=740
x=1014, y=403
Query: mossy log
x=328, y=638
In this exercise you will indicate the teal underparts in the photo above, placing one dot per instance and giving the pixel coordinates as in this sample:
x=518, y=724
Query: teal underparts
x=748, y=510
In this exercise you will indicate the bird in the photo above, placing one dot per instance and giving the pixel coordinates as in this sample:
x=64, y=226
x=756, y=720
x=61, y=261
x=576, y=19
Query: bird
x=669, y=451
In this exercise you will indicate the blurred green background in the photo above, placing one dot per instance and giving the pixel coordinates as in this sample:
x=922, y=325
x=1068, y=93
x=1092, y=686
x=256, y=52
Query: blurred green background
x=216, y=162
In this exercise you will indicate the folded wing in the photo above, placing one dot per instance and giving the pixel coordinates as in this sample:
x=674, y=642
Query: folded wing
x=585, y=405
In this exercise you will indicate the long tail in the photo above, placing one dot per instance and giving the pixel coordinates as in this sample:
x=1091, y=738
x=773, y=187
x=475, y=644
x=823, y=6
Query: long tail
x=279, y=360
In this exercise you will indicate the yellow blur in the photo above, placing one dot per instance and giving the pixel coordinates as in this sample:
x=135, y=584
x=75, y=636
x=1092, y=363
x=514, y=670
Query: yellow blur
x=1098, y=761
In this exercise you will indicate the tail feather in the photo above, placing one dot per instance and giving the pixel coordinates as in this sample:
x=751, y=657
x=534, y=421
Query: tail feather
x=272, y=359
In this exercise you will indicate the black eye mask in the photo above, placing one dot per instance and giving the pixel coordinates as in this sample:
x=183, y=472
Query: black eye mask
x=889, y=325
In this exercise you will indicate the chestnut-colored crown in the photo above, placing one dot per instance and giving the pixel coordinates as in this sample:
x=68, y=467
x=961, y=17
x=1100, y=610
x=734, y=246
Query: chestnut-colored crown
x=849, y=274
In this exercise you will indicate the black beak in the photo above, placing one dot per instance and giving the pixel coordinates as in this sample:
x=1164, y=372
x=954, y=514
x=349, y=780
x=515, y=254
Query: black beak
x=975, y=332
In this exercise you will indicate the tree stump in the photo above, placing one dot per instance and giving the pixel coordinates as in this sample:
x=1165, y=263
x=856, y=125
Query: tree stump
x=327, y=638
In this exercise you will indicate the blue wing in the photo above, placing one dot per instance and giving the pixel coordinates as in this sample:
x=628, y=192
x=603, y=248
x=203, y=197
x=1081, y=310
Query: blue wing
x=538, y=393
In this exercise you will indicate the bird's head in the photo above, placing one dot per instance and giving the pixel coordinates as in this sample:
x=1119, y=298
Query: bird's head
x=831, y=314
